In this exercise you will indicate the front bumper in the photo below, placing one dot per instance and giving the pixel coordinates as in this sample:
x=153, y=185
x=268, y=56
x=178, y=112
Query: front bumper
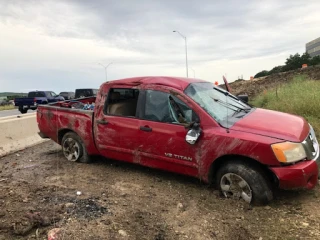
x=305, y=173
x=301, y=175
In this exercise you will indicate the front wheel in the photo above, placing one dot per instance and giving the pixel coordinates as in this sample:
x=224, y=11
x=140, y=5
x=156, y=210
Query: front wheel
x=74, y=149
x=241, y=181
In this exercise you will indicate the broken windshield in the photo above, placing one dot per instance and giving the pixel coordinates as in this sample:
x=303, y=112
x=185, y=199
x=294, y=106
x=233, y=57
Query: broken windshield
x=217, y=102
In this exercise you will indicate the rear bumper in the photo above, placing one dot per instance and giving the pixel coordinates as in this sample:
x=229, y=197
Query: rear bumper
x=300, y=175
x=42, y=135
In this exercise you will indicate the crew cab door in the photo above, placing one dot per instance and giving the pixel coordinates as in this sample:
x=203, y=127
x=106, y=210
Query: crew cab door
x=163, y=134
x=116, y=126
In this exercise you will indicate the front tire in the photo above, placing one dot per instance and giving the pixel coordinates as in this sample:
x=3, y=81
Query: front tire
x=241, y=181
x=73, y=148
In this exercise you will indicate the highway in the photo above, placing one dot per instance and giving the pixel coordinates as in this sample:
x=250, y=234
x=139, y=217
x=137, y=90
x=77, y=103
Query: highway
x=7, y=113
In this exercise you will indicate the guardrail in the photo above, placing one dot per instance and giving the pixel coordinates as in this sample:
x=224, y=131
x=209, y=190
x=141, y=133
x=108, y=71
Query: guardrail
x=18, y=132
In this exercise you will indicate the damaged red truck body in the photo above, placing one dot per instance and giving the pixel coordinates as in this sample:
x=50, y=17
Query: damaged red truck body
x=190, y=127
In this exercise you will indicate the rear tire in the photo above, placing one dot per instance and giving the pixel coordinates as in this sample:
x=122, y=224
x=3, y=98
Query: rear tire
x=74, y=149
x=22, y=110
x=239, y=180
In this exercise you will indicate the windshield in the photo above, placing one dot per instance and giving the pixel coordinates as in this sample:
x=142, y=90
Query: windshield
x=216, y=101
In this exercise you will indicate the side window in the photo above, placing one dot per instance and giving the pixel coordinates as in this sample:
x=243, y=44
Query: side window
x=121, y=102
x=163, y=107
x=49, y=94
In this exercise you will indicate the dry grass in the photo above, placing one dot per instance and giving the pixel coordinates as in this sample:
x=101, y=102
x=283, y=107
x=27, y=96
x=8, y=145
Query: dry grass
x=8, y=107
x=300, y=97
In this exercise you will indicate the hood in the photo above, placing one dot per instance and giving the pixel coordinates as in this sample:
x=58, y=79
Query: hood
x=274, y=124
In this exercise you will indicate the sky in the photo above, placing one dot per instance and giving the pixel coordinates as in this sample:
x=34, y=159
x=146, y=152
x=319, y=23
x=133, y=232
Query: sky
x=58, y=45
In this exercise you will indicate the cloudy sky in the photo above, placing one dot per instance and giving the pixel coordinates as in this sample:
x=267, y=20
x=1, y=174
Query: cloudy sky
x=57, y=45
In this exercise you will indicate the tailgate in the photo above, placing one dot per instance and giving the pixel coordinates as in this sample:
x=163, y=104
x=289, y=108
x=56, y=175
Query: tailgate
x=23, y=101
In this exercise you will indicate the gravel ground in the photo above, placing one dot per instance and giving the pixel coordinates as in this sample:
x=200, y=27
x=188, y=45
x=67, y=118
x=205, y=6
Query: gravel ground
x=40, y=190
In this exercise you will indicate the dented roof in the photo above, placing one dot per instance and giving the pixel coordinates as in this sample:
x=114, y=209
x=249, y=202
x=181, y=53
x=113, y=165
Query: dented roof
x=174, y=82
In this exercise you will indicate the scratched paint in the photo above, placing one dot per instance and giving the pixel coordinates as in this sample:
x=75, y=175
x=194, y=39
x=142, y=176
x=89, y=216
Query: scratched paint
x=144, y=148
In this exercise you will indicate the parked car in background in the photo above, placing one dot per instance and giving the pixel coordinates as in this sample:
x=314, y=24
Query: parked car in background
x=190, y=127
x=35, y=98
x=67, y=95
x=86, y=92
x=4, y=102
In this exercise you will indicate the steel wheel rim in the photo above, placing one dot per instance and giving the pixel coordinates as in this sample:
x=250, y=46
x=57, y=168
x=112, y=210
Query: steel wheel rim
x=234, y=186
x=71, y=149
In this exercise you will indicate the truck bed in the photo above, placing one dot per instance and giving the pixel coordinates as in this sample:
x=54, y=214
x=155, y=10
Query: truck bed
x=55, y=119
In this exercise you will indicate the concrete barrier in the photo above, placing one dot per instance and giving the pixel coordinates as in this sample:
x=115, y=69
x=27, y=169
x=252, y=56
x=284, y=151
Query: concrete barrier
x=17, y=116
x=18, y=133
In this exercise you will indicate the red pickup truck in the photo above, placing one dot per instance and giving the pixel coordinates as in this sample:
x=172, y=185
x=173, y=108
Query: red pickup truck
x=189, y=127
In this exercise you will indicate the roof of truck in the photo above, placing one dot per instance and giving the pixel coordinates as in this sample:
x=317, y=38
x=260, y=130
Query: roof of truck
x=174, y=82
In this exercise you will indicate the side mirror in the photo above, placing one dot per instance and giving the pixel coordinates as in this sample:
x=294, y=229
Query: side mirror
x=243, y=97
x=193, y=134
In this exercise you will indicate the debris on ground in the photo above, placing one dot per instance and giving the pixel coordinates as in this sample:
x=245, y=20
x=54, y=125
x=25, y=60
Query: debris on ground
x=55, y=234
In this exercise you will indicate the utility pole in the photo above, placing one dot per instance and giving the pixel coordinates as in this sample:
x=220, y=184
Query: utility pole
x=186, y=49
x=105, y=69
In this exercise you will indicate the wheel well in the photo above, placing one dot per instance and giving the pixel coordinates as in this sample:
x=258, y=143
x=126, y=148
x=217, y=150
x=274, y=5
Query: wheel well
x=219, y=162
x=61, y=133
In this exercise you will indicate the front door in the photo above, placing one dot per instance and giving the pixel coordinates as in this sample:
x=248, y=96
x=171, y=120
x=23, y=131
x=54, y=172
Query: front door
x=163, y=131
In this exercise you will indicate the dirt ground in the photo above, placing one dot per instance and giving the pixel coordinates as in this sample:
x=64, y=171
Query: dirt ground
x=259, y=85
x=38, y=192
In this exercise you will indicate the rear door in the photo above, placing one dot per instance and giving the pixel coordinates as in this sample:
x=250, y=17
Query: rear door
x=163, y=133
x=116, y=125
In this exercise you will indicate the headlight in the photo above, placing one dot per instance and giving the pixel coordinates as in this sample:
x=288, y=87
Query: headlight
x=288, y=152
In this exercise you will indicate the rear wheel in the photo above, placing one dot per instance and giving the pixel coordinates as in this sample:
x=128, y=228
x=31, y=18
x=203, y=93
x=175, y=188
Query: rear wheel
x=240, y=181
x=74, y=149
x=23, y=110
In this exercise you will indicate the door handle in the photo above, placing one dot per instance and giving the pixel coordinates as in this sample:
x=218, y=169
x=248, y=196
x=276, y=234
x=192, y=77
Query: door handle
x=146, y=128
x=103, y=122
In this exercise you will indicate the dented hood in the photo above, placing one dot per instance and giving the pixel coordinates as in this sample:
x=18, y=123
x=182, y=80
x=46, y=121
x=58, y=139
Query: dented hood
x=274, y=124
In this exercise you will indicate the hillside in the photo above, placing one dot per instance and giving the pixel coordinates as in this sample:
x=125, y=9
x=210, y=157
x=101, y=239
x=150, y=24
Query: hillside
x=259, y=85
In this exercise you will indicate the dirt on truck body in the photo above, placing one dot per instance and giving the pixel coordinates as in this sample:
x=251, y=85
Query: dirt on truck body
x=40, y=190
x=190, y=127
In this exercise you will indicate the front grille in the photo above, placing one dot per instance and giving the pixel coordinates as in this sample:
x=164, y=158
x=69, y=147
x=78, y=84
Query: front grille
x=311, y=145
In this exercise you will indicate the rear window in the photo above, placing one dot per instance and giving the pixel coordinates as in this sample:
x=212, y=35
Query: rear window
x=36, y=94
x=122, y=102
x=80, y=93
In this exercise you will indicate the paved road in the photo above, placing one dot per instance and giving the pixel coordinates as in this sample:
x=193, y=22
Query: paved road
x=7, y=113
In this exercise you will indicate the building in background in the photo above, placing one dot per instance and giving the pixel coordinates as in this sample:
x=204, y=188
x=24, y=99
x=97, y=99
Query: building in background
x=313, y=47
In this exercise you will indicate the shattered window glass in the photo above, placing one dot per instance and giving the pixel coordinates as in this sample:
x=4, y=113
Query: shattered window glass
x=215, y=101
x=163, y=107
